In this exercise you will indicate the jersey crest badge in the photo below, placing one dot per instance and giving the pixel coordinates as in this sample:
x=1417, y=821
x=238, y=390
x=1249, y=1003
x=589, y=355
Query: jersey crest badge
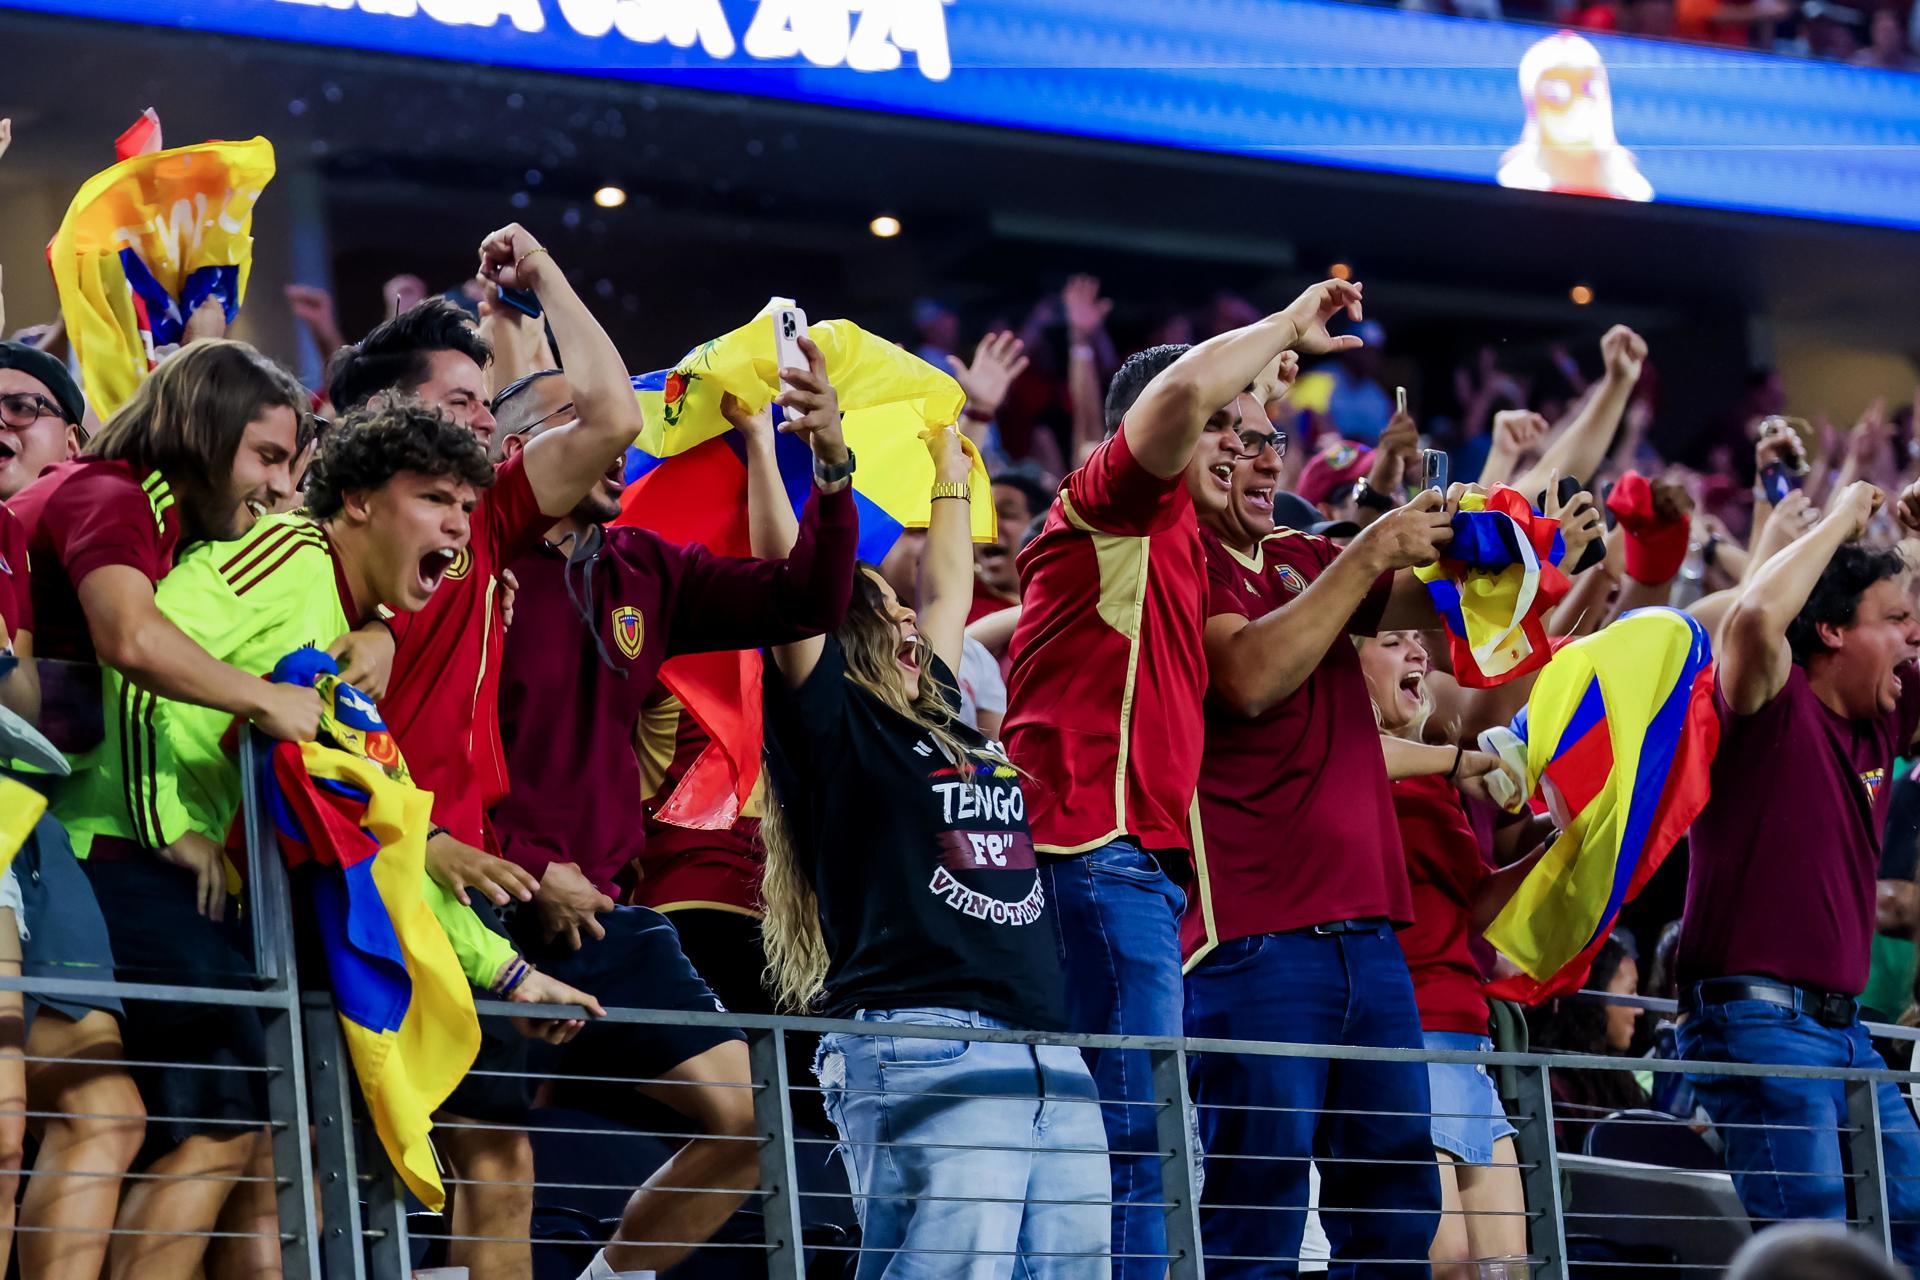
x=1290, y=578
x=629, y=630
x=462, y=565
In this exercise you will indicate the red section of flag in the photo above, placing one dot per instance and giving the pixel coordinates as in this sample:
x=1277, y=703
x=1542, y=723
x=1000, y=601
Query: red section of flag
x=701, y=496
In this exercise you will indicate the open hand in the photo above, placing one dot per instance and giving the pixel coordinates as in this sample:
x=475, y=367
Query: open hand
x=1086, y=309
x=457, y=867
x=997, y=361
x=569, y=905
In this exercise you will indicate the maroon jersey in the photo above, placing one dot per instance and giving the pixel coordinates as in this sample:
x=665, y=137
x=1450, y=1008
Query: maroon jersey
x=1296, y=824
x=590, y=632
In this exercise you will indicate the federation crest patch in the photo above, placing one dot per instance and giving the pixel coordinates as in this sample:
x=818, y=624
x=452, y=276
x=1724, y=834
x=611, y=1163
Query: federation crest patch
x=629, y=630
x=462, y=565
x=1290, y=578
x=1340, y=456
x=1872, y=780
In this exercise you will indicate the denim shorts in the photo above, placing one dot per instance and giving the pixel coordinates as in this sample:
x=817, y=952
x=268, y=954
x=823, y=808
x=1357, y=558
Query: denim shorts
x=1467, y=1116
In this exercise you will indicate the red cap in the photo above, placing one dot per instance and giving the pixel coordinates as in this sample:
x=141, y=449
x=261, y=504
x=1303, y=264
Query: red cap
x=1333, y=470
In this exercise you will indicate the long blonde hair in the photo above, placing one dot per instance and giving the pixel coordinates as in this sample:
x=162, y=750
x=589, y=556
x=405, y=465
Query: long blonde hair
x=1415, y=729
x=797, y=958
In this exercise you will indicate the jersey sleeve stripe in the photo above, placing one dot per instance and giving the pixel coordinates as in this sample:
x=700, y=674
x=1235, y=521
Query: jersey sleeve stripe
x=241, y=588
x=246, y=561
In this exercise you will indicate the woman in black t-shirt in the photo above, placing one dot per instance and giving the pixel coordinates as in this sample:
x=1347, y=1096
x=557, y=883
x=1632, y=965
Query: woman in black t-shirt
x=901, y=888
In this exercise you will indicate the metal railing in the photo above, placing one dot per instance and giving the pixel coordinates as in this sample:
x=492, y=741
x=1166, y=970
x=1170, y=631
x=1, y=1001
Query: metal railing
x=342, y=1213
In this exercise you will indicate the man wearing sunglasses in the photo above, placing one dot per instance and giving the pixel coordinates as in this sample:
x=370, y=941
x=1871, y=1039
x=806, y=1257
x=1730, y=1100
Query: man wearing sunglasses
x=40, y=412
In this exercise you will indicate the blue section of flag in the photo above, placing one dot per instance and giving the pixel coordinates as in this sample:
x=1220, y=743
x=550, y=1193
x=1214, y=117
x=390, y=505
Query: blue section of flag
x=369, y=971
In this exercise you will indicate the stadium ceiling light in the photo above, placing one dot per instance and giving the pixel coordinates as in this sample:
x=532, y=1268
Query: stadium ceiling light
x=1581, y=295
x=1340, y=271
x=610, y=197
x=886, y=226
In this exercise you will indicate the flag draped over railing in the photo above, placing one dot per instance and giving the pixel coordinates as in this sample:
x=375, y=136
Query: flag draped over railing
x=1620, y=734
x=143, y=244
x=346, y=806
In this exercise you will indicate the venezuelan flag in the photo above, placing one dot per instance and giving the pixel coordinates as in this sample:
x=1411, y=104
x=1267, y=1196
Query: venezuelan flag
x=1620, y=733
x=1495, y=587
x=345, y=805
x=143, y=244
x=687, y=481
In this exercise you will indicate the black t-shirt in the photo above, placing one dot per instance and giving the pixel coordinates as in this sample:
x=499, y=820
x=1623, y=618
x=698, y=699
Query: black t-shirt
x=929, y=893
x=1900, y=849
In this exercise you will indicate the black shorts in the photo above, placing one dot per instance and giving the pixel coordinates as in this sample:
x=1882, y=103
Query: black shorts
x=638, y=965
x=159, y=935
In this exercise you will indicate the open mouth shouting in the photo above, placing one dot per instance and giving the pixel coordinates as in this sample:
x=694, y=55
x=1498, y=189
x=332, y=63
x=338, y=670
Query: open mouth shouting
x=1413, y=687
x=434, y=566
x=908, y=654
x=1222, y=475
x=1260, y=498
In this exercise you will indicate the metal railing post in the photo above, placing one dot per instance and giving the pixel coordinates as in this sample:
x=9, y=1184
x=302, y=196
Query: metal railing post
x=779, y=1175
x=269, y=901
x=1540, y=1172
x=336, y=1163
x=1173, y=1130
x=1865, y=1162
x=388, y=1250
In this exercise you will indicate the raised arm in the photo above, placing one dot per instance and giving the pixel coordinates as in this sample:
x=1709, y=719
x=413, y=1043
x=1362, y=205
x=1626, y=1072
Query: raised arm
x=1584, y=445
x=1086, y=334
x=563, y=464
x=946, y=570
x=1255, y=663
x=813, y=414
x=1754, y=655
x=771, y=527
x=1164, y=424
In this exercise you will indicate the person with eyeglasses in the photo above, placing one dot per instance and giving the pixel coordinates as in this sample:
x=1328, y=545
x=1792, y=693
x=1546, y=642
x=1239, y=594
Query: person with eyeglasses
x=40, y=412
x=1299, y=885
x=1104, y=701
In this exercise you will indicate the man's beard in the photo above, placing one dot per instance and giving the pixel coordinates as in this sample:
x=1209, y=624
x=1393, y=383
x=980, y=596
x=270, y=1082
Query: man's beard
x=209, y=513
x=596, y=508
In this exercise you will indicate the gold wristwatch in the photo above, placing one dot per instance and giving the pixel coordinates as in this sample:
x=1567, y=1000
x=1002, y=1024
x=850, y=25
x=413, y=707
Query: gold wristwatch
x=948, y=489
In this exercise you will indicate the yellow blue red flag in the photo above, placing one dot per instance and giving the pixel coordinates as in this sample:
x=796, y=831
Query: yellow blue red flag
x=1620, y=734
x=687, y=481
x=1496, y=586
x=345, y=806
x=143, y=244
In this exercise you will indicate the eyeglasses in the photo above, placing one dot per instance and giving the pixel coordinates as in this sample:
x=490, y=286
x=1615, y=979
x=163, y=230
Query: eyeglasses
x=23, y=408
x=1252, y=441
x=545, y=417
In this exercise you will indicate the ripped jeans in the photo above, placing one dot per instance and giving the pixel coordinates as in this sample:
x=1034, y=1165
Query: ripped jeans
x=968, y=1160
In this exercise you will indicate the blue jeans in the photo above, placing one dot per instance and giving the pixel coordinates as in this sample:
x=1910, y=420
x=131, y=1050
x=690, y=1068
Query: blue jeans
x=1348, y=989
x=1009, y=1183
x=1117, y=923
x=1810, y=1111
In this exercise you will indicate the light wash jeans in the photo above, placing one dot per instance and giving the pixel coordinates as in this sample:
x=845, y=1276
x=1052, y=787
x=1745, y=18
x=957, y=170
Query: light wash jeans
x=968, y=1161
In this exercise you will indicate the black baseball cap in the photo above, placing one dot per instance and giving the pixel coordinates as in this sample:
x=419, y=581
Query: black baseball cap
x=36, y=363
x=1291, y=511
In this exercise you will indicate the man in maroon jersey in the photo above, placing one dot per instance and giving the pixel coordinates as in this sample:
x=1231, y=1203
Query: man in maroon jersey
x=599, y=610
x=1104, y=701
x=443, y=701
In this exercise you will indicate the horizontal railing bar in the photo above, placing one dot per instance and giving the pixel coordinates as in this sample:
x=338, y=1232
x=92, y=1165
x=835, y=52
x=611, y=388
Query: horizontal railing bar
x=102, y=988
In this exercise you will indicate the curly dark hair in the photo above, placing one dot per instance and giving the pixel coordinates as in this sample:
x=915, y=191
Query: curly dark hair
x=1132, y=378
x=1836, y=597
x=394, y=357
x=369, y=447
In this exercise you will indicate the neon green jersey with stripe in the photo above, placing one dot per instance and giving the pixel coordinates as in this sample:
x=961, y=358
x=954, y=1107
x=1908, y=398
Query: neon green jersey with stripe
x=166, y=767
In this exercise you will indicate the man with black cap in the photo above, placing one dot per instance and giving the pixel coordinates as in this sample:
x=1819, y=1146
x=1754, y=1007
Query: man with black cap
x=40, y=412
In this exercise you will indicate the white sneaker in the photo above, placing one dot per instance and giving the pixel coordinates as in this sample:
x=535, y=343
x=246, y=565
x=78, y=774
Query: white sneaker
x=598, y=1269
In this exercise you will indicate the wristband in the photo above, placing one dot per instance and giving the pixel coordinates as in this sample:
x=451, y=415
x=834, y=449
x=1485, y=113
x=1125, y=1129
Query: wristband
x=536, y=251
x=437, y=830
x=974, y=414
x=1459, y=754
x=512, y=976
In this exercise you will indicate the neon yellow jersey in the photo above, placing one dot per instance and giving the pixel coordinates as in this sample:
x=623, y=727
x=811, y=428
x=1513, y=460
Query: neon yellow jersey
x=165, y=767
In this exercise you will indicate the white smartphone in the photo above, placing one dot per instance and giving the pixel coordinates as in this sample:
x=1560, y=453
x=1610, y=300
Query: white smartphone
x=789, y=326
